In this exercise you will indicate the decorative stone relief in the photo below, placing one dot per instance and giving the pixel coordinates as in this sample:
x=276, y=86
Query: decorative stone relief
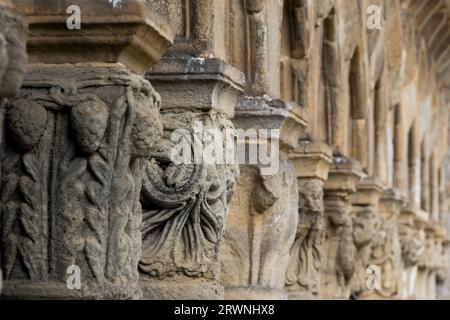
x=311, y=161
x=184, y=211
x=72, y=152
x=340, y=251
x=71, y=181
x=365, y=228
x=307, y=252
x=185, y=204
x=412, y=239
x=366, y=224
x=386, y=248
x=261, y=227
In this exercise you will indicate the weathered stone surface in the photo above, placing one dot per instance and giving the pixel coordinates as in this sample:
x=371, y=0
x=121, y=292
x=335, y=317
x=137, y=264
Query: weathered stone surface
x=108, y=33
x=366, y=225
x=13, y=58
x=263, y=215
x=70, y=184
x=340, y=251
x=72, y=152
x=185, y=205
x=312, y=162
x=88, y=173
x=386, y=250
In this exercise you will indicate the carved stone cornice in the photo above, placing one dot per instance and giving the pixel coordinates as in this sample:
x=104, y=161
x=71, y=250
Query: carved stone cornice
x=391, y=203
x=131, y=34
x=311, y=160
x=217, y=85
x=368, y=193
x=264, y=113
x=343, y=177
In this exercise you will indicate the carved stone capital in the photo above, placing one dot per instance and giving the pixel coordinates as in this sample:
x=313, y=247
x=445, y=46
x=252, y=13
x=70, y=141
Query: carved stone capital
x=386, y=247
x=311, y=161
x=261, y=226
x=185, y=204
x=73, y=148
x=71, y=179
x=412, y=235
x=340, y=250
x=264, y=213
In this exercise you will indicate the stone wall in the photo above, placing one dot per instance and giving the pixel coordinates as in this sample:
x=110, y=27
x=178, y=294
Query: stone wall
x=332, y=185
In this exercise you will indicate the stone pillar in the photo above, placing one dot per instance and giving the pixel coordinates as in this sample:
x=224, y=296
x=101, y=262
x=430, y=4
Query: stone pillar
x=185, y=200
x=13, y=61
x=311, y=162
x=340, y=251
x=13, y=58
x=74, y=140
x=386, y=248
x=412, y=240
x=366, y=224
x=263, y=217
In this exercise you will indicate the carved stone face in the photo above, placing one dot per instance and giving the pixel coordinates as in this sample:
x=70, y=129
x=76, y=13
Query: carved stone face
x=338, y=213
x=311, y=197
x=365, y=225
x=413, y=244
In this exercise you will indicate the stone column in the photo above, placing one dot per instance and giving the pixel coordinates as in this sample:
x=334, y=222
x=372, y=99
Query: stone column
x=311, y=162
x=13, y=57
x=74, y=140
x=412, y=239
x=340, y=251
x=263, y=217
x=386, y=248
x=366, y=224
x=185, y=200
x=13, y=60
